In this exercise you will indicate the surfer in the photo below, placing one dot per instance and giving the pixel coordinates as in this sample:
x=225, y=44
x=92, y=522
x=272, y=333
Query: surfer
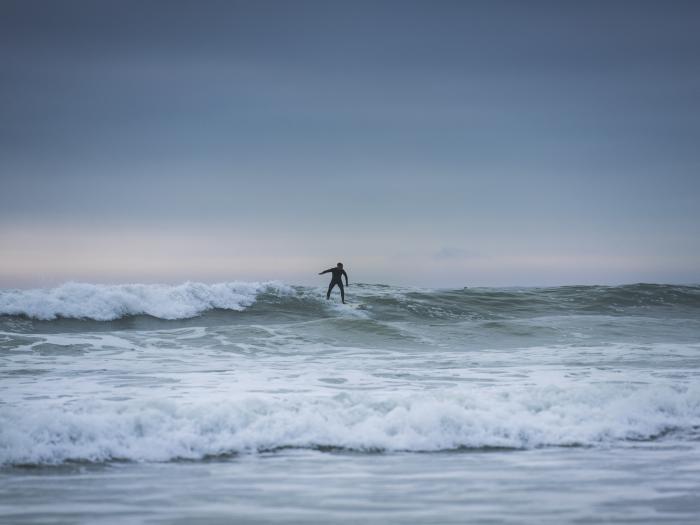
x=337, y=272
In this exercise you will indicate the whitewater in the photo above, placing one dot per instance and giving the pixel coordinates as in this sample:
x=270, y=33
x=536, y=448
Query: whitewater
x=144, y=403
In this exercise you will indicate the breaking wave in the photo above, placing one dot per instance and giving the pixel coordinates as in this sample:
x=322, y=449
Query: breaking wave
x=163, y=430
x=102, y=302
x=99, y=302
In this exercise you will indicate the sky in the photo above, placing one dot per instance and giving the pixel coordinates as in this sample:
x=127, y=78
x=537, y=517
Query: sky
x=433, y=143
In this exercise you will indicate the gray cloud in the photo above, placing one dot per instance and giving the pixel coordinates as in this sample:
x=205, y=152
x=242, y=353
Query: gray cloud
x=516, y=129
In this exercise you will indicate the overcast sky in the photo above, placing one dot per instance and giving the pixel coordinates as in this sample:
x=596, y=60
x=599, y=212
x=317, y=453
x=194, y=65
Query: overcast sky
x=431, y=143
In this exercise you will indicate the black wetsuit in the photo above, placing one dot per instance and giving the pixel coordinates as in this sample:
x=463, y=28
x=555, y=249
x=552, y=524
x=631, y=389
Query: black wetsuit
x=337, y=275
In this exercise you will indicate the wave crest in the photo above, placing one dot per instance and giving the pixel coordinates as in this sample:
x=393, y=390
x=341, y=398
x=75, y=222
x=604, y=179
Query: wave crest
x=102, y=302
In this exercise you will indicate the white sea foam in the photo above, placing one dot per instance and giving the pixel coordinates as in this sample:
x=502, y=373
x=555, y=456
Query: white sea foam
x=162, y=430
x=107, y=302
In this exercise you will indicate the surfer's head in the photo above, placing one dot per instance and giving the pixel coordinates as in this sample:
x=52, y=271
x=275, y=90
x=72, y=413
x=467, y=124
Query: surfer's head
x=340, y=265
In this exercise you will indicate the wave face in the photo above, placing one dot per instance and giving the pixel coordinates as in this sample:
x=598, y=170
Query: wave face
x=110, y=302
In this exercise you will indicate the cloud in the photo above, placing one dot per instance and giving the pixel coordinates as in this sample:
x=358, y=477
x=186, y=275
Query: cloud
x=452, y=252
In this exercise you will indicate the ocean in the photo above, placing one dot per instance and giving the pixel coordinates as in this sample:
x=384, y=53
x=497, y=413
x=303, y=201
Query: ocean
x=264, y=403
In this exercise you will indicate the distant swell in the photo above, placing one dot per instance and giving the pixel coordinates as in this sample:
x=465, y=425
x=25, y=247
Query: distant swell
x=164, y=430
x=103, y=302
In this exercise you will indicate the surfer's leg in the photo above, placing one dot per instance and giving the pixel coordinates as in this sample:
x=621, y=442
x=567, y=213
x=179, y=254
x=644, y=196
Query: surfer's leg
x=342, y=292
x=330, y=287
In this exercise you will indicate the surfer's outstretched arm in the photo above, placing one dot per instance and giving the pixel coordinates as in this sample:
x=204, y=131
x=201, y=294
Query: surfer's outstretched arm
x=326, y=271
x=346, y=278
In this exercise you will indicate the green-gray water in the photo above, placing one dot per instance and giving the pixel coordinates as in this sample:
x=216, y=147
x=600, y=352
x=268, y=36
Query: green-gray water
x=262, y=402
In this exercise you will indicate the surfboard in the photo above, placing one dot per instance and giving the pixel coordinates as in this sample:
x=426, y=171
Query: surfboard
x=355, y=306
